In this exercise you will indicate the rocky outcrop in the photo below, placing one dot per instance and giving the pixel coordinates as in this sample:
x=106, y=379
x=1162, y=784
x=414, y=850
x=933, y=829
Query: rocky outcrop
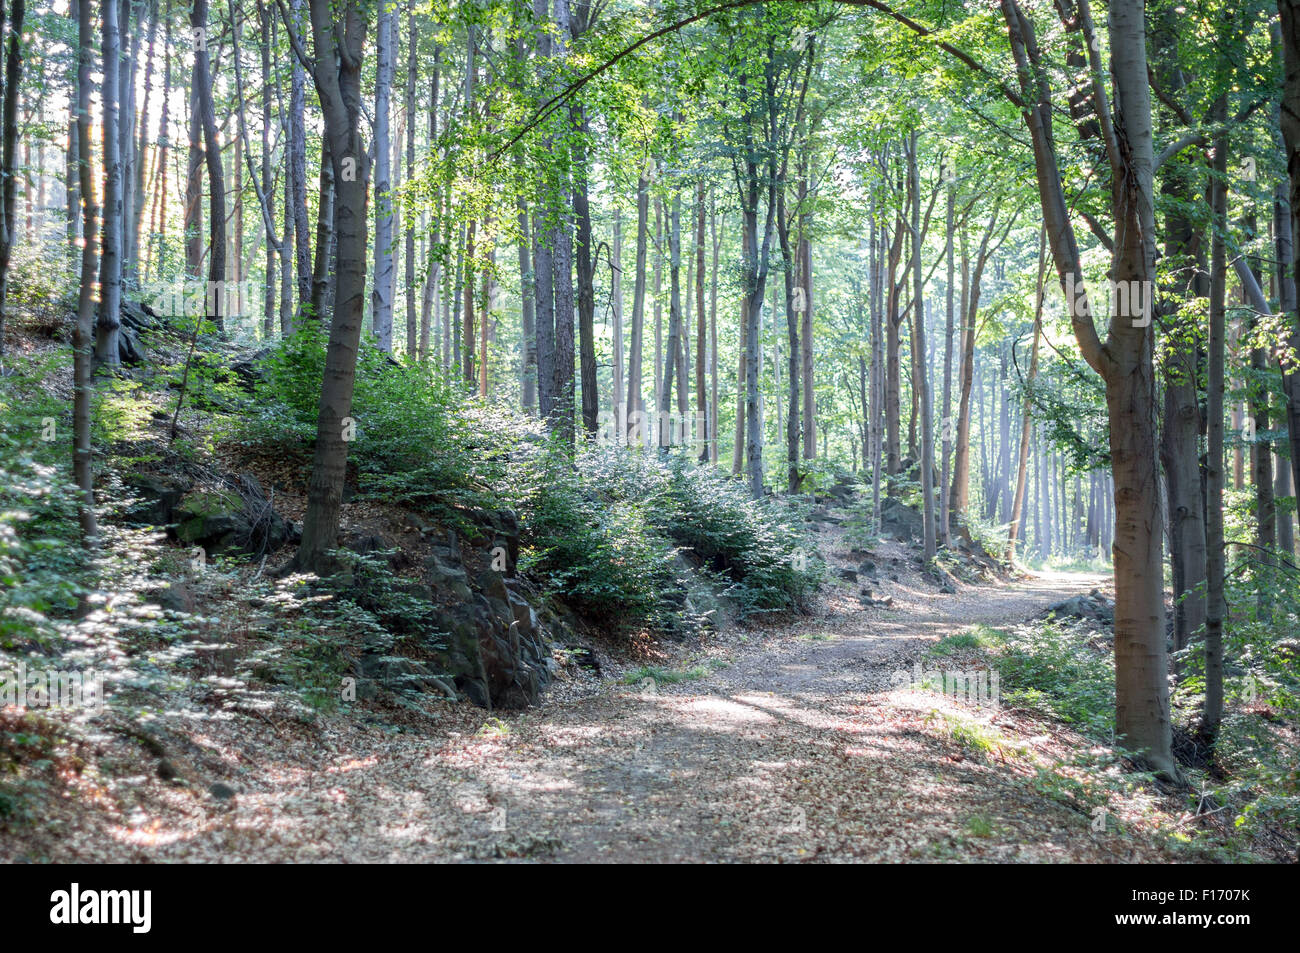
x=224, y=515
x=485, y=641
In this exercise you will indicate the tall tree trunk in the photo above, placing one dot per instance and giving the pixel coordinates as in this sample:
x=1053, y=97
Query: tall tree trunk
x=9, y=95
x=1125, y=363
x=795, y=366
x=945, y=426
x=83, y=332
x=616, y=300
x=920, y=383
x=307, y=300
x=412, y=67
x=806, y=318
x=714, y=413
x=586, y=291
x=110, y=262
x=215, y=295
x=338, y=84
x=1214, y=541
x=666, y=432
x=381, y=295
x=635, y=360
x=1026, y=418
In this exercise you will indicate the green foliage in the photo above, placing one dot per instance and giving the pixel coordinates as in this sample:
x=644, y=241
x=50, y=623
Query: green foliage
x=1054, y=669
x=601, y=554
x=41, y=560
x=664, y=676
x=757, y=544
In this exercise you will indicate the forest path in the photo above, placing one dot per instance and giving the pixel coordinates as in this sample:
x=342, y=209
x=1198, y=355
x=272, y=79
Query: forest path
x=786, y=743
x=789, y=744
x=796, y=749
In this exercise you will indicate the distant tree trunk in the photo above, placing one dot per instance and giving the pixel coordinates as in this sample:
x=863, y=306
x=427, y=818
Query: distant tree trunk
x=714, y=412
x=215, y=295
x=893, y=369
x=806, y=318
x=110, y=262
x=738, y=451
x=792, y=334
x=586, y=291
x=877, y=376
x=72, y=171
x=945, y=426
x=1286, y=290
x=129, y=44
x=671, y=366
x=381, y=295
x=83, y=332
x=1026, y=418
x=412, y=66
x=1215, y=606
x=307, y=299
x=468, y=326
x=141, y=149
x=433, y=267
x=273, y=246
x=616, y=300
x=338, y=85
x=543, y=278
x=10, y=92
x=322, y=269
x=703, y=433
x=527, y=292
x=920, y=383
x=635, y=403
x=959, y=495
x=658, y=303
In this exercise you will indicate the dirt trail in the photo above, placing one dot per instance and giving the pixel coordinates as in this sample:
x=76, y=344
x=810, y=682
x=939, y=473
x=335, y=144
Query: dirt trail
x=786, y=743
x=791, y=747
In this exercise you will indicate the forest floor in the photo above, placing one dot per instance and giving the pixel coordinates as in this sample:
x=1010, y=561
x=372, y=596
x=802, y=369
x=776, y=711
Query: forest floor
x=797, y=741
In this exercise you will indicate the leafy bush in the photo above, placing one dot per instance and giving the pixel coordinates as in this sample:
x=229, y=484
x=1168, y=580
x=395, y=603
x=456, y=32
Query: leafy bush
x=1053, y=669
x=756, y=543
x=600, y=553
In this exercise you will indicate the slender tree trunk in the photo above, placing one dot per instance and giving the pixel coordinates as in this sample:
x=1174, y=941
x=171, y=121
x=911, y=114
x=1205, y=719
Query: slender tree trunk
x=412, y=67
x=338, y=85
x=920, y=383
x=619, y=408
x=1214, y=540
x=83, y=333
x=1026, y=420
x=110, y=262
x=635, y=403
x=9, y=95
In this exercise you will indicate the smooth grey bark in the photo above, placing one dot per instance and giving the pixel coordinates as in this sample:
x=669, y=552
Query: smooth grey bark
x=412, y=68
x=1216, y=608
x=10, y=91
x=672, y=366
x=83, y=330
x=635, y=409
x=298, y=172
x=920, y=381
x=338, y=85
x=109, y=319
x=1026, y=418
x=381, y=294
x=616, y=315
